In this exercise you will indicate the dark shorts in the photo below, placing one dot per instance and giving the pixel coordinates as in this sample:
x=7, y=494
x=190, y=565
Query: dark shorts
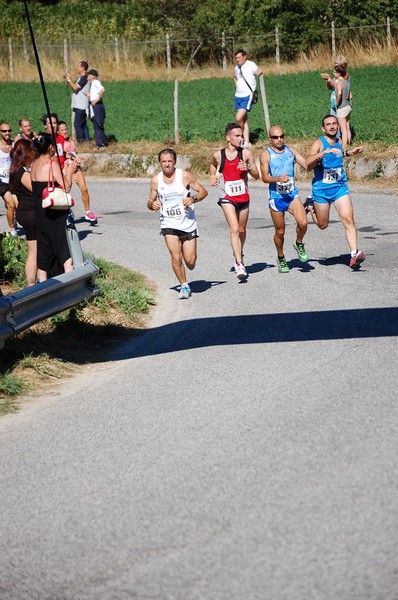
x=237, y=205
x=183, y=235
x=4, y=187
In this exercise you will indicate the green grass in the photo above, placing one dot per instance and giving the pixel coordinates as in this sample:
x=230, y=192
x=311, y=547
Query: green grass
x=51, y=349
x=121, y=289
x=143, y=110
x=10, y=388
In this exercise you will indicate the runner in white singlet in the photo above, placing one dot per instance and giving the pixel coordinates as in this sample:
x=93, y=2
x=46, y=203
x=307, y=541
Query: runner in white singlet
x=173, y=193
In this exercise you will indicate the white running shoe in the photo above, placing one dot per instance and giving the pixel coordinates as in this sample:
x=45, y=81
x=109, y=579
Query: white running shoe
x=185, y=292
x=241, y=272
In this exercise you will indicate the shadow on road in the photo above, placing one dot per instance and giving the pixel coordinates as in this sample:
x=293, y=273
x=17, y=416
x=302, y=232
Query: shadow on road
x=263, y=329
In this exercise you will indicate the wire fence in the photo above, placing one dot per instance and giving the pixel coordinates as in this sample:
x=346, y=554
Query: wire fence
x=174, y=52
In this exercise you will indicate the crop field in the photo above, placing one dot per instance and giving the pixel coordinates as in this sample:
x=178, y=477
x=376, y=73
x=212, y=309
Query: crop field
x=144, y=110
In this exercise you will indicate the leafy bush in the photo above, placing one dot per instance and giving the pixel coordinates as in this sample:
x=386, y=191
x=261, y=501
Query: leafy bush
x=13, y=253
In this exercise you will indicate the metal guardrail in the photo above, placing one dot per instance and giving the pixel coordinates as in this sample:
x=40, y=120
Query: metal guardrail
x=28, y=306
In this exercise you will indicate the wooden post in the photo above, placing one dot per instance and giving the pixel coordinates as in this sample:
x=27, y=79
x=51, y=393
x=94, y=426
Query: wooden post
x=70, y=48
x=124, y=49
x=168, y=52
x=176, y=128
x=66, y=60
x=224, y=55
x=277, y=49
x=117, y=55
x=265, y=104
x=192, y=58
x=10, y=58
x=25, y=48
x=388, y=32
x=333, y=40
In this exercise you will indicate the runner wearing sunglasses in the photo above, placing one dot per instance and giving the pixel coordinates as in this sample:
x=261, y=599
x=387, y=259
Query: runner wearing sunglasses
x=277, y=169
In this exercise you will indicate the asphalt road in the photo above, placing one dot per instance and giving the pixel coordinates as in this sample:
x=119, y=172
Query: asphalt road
x=244, y=448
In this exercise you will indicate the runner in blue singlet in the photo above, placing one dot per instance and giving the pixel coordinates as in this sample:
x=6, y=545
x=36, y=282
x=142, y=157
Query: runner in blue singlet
x=329, y=185
x=277, y=169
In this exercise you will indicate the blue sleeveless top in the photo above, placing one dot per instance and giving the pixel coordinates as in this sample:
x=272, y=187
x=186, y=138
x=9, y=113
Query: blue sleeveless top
x=329, y=175
x=282, y=163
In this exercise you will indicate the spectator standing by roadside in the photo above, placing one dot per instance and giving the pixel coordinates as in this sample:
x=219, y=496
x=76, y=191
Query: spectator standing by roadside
x=78, y=177
x=343, y=103
x=245, y=75
x=80, y=101
x=25, y=131
x=5, y=164
x=97, y=108
x=23, y=154
x=339, y=61
x=53, y=252
x=50, y=123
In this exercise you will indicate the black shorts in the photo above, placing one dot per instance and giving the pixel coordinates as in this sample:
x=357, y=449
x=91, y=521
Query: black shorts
x=4, y=187
x=183, y=235
x=237, y=205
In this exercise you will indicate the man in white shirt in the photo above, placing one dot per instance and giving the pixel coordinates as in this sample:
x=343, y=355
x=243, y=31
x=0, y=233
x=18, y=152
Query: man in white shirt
x=5, y=164
x=80, y=101
x=245, y=75
x=97, y=108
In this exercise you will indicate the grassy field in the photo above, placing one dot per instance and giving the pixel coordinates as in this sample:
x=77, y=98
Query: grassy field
x=143, y=110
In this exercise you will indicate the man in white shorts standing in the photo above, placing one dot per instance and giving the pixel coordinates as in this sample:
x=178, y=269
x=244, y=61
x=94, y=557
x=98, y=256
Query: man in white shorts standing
x=173, y=192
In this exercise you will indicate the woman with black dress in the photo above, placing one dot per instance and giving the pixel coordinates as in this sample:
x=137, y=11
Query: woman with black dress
x=22, y=156
x=53, y=253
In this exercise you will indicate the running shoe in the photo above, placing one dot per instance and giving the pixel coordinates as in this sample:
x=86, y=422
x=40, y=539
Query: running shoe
x=241, y=272
x=357, y=259
x=303, y=256
x=309, y=201
x=13, y=232
x=185, y=292
x=90, y=216
x=282, y=265
x=236, y=265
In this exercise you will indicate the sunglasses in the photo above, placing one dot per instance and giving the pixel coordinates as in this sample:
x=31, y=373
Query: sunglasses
x=5, y=130
x=276, y=137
